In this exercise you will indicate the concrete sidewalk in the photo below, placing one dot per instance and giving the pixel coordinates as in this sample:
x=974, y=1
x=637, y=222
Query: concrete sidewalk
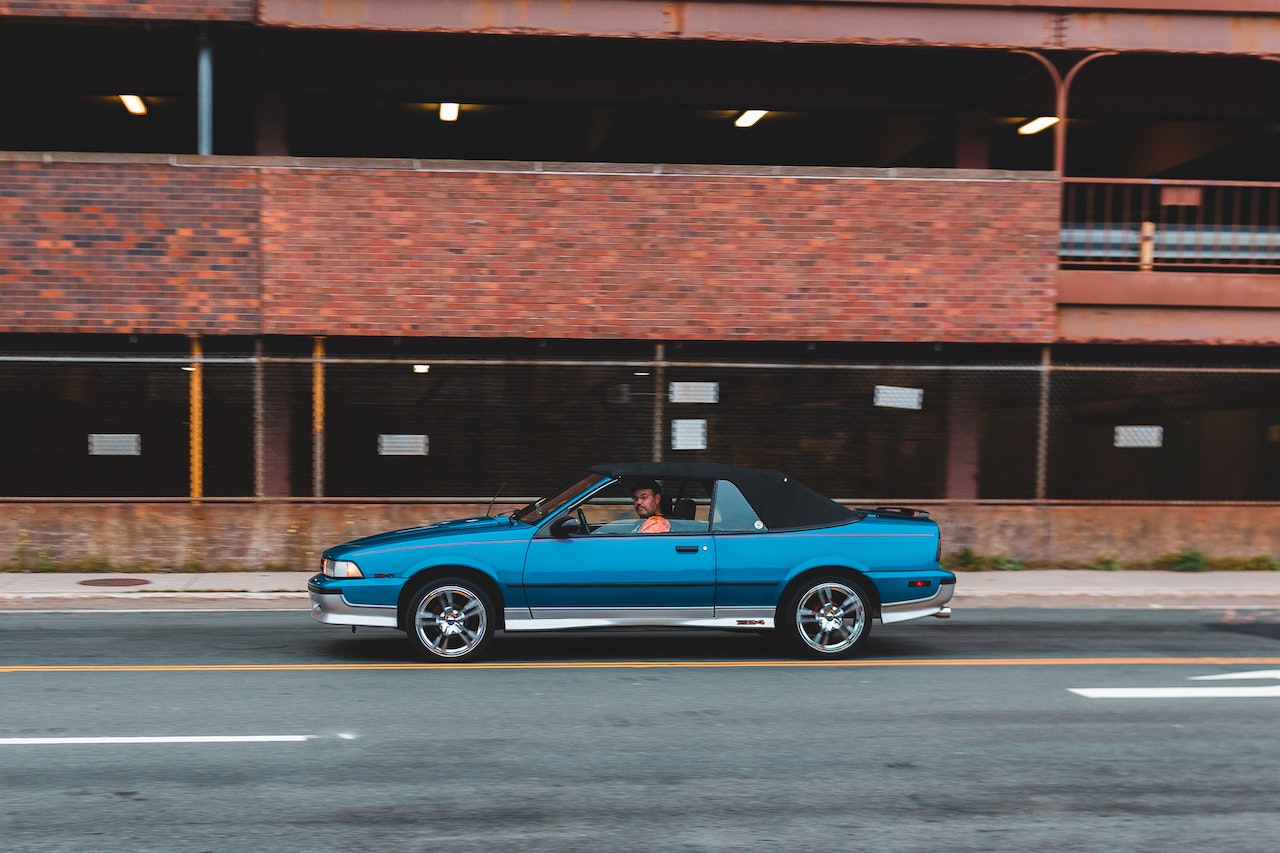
x=155, y=591
x=287, y=590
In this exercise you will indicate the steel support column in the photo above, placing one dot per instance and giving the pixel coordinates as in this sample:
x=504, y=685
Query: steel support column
x=204, y=96
x=317, y=418
x=196, y=420
x=1061, y=87
x=659, y=400
x=259, y=424
x=1042, y=428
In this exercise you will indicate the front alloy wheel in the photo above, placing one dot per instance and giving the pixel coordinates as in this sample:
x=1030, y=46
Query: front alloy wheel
x=450, y=620
x=828, y=618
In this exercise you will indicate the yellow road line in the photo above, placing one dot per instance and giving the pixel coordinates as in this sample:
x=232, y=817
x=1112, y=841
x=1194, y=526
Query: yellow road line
x=378, y=667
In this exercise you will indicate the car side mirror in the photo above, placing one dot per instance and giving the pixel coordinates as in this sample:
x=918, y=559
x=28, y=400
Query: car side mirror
x=566, y=526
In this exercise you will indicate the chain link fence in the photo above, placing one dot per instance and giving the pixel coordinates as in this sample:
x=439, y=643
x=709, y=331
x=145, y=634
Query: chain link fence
x=293, y=426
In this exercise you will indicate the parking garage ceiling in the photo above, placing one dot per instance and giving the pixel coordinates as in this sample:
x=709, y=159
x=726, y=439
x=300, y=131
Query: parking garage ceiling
x=304, y=91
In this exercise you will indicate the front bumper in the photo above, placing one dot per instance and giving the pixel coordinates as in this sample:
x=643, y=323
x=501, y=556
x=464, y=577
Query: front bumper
x=328, y=605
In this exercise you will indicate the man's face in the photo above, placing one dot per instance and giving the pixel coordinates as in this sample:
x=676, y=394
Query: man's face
x=646, y=502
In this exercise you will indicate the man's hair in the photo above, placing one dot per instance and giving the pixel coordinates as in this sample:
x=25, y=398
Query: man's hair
x=651, y=485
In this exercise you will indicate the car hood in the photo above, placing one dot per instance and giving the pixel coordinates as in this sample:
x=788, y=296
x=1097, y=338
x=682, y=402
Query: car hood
x=477, y=526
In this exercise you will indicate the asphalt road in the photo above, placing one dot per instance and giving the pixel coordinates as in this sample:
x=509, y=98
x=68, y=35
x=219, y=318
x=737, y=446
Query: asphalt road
x=959, y=735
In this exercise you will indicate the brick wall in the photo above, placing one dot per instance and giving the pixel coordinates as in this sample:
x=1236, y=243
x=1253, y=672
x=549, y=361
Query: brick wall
x=123, y=247
x=169, y=10
x=573, y=255
x=220, y=246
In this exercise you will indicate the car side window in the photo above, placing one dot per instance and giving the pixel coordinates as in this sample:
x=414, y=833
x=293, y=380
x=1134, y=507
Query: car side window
x=608, y=511
x=611, y=512
x=731, y=513
x=687, y=503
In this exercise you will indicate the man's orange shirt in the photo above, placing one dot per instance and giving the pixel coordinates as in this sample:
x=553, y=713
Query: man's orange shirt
x=654, y=524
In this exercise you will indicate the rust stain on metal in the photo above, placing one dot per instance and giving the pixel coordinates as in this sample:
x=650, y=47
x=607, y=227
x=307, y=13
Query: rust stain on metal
x=1250, y=35
x=1055, y=30
x=676, y=15
x=1164, y=325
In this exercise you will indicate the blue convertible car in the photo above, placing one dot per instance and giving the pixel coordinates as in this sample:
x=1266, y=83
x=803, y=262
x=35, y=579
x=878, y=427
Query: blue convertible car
x=721, y=547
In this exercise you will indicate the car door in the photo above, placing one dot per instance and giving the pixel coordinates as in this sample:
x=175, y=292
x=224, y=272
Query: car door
x=610, y=573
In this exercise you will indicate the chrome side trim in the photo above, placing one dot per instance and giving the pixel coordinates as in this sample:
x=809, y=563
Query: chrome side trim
x=901, y=611
x=334, y=609
x=641, y=615
x=514, y=614
x=563, y=618
x=747, y=617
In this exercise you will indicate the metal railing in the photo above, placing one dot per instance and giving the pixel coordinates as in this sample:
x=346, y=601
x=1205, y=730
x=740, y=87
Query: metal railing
x=1170, y=225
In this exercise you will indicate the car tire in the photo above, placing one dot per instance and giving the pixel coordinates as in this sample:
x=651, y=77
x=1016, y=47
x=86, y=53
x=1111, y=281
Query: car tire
x=450, y=620
x=826, y=618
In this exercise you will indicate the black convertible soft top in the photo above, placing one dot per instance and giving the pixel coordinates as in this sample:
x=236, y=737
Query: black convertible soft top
x=779, y=500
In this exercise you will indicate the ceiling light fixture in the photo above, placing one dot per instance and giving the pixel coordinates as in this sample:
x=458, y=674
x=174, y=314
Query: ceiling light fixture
x=448, y=112
x=749, y=117
x=1038, y=124
x=422, y=368
x=134, y=104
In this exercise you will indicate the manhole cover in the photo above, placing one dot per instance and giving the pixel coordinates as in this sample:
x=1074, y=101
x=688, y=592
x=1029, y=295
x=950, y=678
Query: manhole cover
x=114, y=582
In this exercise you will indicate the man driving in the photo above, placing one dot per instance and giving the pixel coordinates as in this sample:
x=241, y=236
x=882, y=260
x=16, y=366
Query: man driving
x=646, y=497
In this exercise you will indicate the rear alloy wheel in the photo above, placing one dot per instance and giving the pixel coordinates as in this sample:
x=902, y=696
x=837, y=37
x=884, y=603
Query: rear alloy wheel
x=827, y=618
x=450, y=620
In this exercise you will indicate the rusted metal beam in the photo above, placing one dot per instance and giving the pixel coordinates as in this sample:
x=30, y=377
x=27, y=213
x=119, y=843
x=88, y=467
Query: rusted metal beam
x=1255, y=6
x=1248, y=27
x=1169, y=289
x=1119, y=324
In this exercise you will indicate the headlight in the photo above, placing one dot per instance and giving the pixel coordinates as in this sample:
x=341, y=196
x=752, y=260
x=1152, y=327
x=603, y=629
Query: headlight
x=341, y=569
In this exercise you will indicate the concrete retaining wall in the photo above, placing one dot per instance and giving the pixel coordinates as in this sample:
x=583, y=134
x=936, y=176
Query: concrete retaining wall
x=160, y=537
x=1066, y=534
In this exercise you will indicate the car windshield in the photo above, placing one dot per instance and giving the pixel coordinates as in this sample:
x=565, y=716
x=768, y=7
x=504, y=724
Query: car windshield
x=540, y=509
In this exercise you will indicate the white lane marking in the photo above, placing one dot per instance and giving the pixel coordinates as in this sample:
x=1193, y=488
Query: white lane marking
x=57, y=741
x=1259, y=673
x=1177, y=692
x=1215, y=692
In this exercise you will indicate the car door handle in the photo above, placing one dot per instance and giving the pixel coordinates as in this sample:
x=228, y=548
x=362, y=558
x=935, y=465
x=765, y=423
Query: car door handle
x=686, y=549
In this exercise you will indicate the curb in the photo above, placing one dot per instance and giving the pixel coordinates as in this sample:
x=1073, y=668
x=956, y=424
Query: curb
x=1043, y=588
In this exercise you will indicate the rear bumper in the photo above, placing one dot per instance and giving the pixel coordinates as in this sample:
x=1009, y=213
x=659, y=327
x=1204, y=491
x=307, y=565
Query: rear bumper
x=901, y=611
